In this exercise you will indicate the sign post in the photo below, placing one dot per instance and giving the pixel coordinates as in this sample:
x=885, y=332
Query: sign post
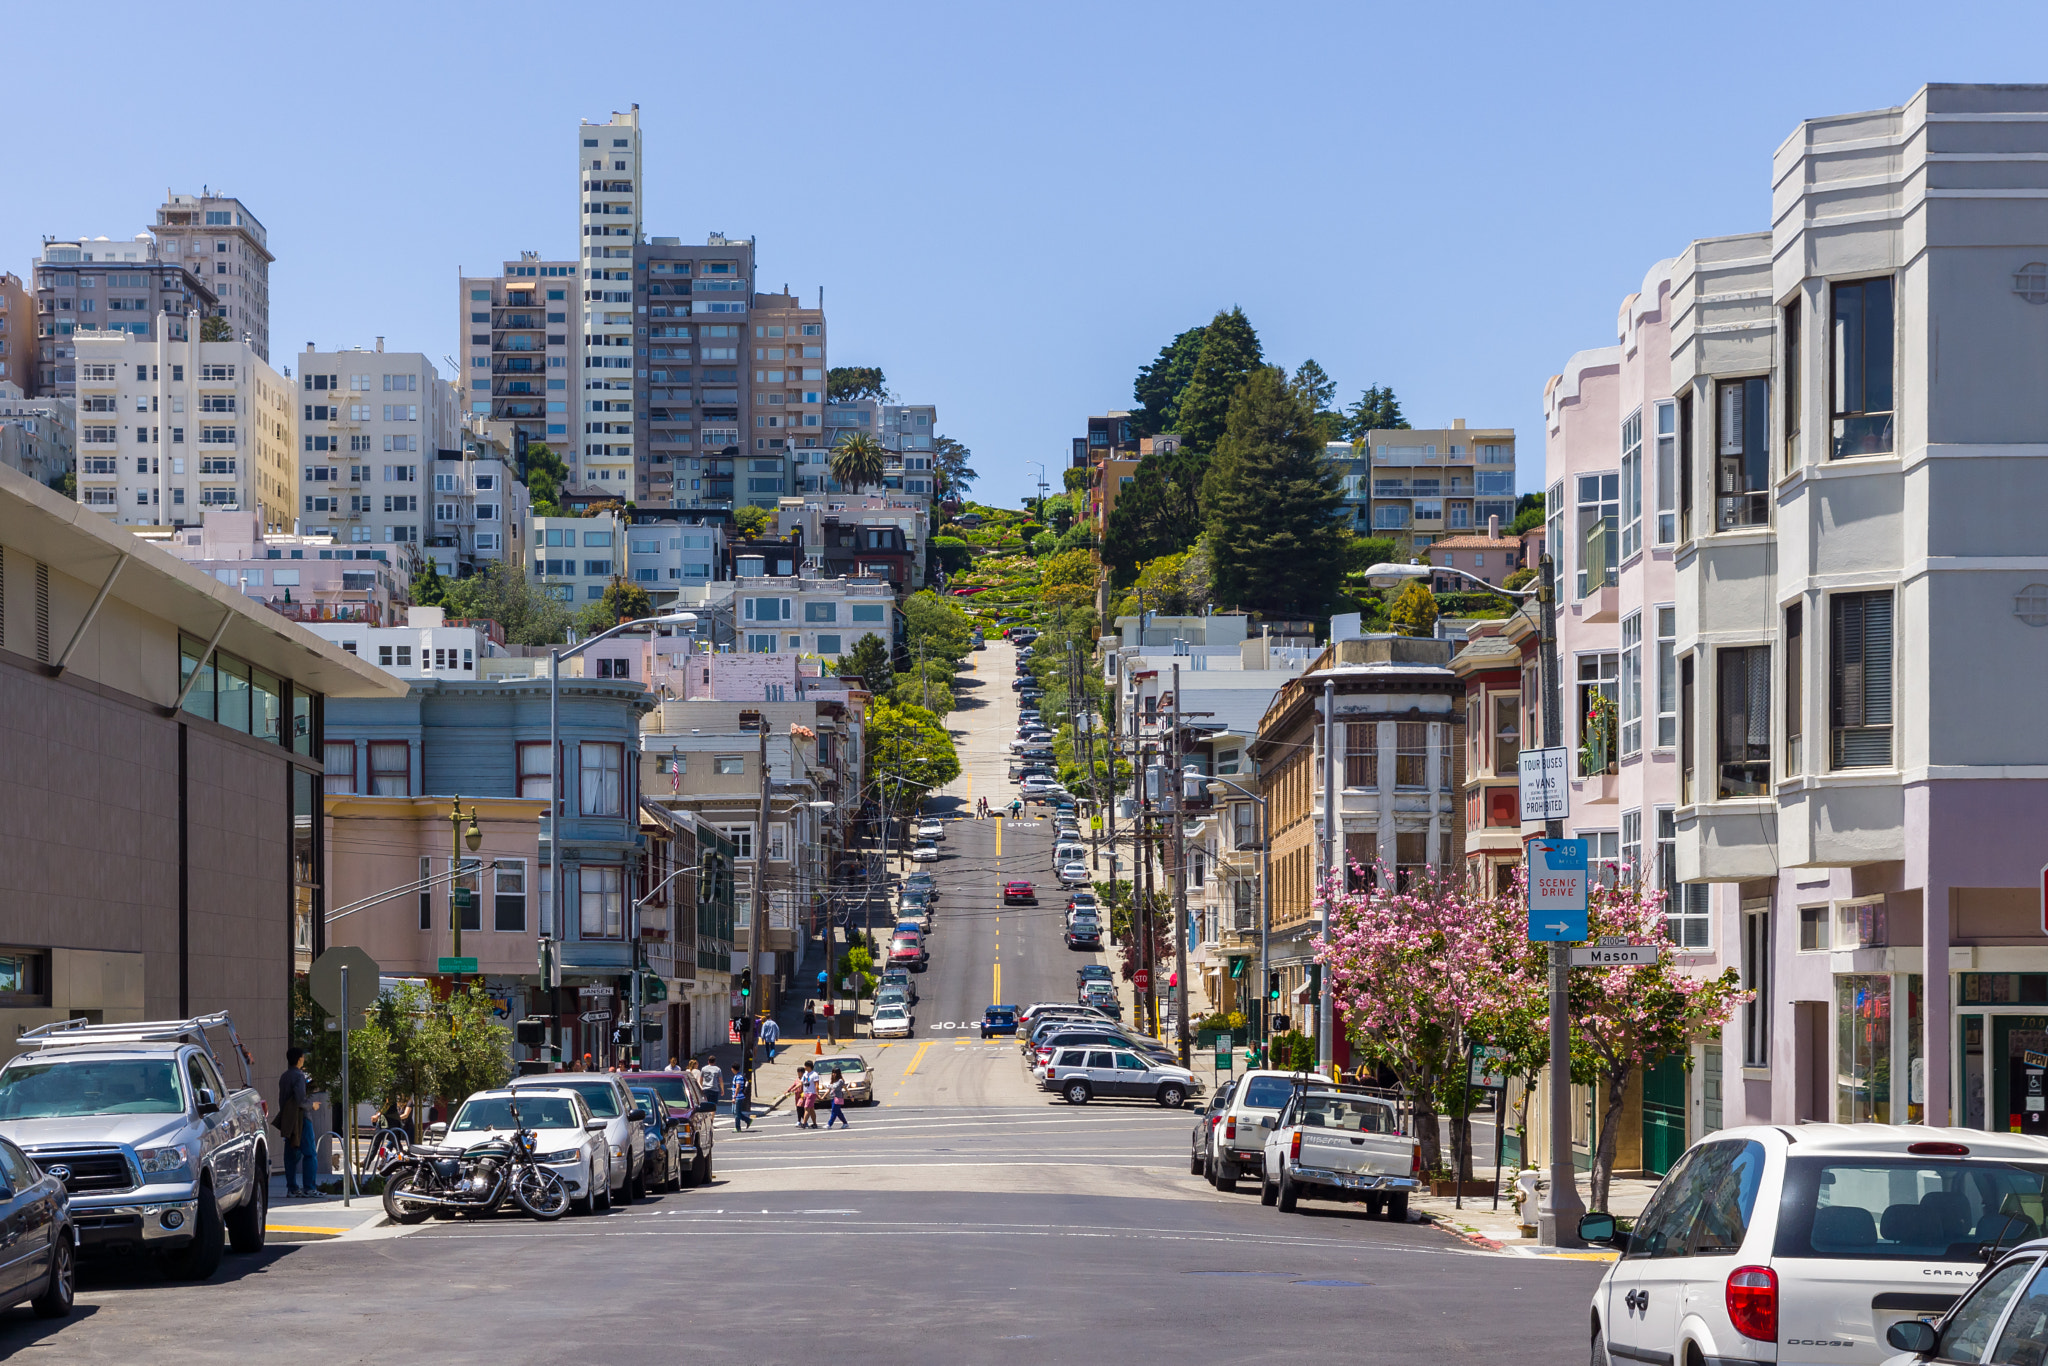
x=1487, y=1069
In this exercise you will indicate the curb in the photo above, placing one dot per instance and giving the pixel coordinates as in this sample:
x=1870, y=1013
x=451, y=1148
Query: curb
x=1475, y=1239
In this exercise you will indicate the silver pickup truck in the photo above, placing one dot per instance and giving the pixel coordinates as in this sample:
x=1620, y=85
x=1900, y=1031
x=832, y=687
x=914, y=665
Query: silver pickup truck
x=160, y=1155
x=1336, y=1143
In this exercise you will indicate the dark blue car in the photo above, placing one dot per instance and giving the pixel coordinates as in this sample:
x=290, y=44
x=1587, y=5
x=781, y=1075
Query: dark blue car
x=999, y=1020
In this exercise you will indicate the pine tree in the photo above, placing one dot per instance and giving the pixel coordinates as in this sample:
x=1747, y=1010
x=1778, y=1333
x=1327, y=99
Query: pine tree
x=1376, y=410
x=1230, y=352
x=1317, y=389
x=1275, y=544
x=1158, y=513
x=869, y=662
x=1158, y=386
x=429, y=589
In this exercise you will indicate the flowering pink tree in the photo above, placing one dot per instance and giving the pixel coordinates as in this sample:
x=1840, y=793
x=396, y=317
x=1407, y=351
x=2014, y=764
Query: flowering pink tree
x=1419, y=972
x=1626, y=1018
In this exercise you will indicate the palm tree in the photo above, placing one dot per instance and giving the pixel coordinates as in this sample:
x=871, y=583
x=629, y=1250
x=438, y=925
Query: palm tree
x=858, y=461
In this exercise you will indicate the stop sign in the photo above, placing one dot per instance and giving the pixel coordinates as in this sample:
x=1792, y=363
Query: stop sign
x=1142, y=979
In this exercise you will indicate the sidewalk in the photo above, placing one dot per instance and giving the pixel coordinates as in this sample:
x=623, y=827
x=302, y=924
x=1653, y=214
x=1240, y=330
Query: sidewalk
x=1479, y=1224
x=323, y=1218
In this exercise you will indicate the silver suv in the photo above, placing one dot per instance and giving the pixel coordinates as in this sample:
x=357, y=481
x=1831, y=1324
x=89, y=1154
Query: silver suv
x=159, y=1154
x=1101, y=1069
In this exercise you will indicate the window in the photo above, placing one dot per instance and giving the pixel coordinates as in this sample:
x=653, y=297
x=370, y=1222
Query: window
x=1599, y=529
x=1243, y=829
x=821, y=611
x=1632, y=847
x=829, y=645
x=1632, y=683
x=1411, y=755
x=508, y=900
x=535, y=772
x=729, y=765
x=1742, y=409
x=426, y=894
x=1632, y=484
x=1685, y=466
x=742, y=837
x=390, y=768
x=601, y=908
x=1795, y=686
x=340, y=758
x=1362, y=754
x=1603, y=855
x=1685, y=728
x=603, y=778
x=1743, y=721
x=1860, y=681
x=1756, y=977
x=1789, y=363
x=1596, y=712
x=1813, y=929
x=1507, y=733
x=614, y=668
x=1861, y=370
x=466, y=879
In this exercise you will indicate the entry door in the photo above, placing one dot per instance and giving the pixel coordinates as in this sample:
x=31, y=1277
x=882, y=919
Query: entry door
x=2018, y=1061
x=1663, y=1114
x=1974, y=1108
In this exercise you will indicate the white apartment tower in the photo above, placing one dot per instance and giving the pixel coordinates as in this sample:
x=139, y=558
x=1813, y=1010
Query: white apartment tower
x=608, y=212
x=171, y=428
x=219, y=240
x=371, y=424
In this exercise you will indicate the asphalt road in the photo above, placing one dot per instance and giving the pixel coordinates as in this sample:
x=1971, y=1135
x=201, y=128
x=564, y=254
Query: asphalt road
x=966, y=1217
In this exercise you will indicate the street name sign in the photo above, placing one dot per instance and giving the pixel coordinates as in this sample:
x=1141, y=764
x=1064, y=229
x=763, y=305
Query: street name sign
x=1546, y=784
x=1616, y=956
x=588, y=992
x=456, y=965
x=1557, y=890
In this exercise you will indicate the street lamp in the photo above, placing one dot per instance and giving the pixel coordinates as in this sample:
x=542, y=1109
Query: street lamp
x=1558, y=1215
x=1217, y=787
x=633, y=1014
x=556, y=654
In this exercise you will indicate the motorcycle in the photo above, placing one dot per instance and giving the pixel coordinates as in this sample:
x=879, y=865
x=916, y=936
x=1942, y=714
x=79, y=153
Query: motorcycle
x=474, y=1182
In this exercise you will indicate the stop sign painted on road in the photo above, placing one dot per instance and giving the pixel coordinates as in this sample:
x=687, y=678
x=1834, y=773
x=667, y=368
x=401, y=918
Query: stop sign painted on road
x=1142, y=979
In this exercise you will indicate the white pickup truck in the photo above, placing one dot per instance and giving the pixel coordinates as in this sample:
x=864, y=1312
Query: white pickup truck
x=1337, y=1143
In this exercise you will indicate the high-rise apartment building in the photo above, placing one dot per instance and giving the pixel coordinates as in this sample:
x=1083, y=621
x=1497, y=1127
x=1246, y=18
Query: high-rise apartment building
x=173, y=427
x=608, y=213
x=99, y=285
x=788, y=356
x=519, y=366
x=1442, y=481
x=693, y=383
x=371, y=424
x=17, y=333
x=218, y=239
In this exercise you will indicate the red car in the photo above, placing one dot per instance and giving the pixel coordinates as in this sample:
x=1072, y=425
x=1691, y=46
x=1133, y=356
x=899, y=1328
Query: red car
x=1014, y=892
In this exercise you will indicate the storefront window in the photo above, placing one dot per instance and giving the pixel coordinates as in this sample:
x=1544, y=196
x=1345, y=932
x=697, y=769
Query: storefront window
x=1863, y=1043
x=1916, y=1062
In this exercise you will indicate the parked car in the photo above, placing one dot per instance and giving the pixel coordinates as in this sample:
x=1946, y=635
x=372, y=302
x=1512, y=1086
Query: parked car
x=860, y=1083
x=158, y=1154
x=925, y=852
x=1075, y=874
x=900, y=977
x=1256, y=1096
x=693, y=1110
x=564, y=1139
x=625, y=1142
x=931, y=830
x=1081, y=900
x=39, y=1261
x=1103, y=1071
x=1106, y=1034
x=1094, y=972
x=891, y=996
x=2006, y=1311
x=999, y=1020
x=1824, y=1234
x=1202, y=1138
x=1084, y=932
x=891, y=1022
x=1102, y=996
x=1338, y=1143
x=1019, y=892
x=662, y=1135
x=908, y=950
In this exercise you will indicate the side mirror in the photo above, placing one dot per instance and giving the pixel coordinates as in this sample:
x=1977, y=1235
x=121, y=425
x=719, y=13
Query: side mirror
x=437, y=1130
x=595, y=1126
x=638, y=1114
x=1913, y=1335
x=1268, y=1122
x=208, y=1103
x=708, y=1105
x=1597, y=1228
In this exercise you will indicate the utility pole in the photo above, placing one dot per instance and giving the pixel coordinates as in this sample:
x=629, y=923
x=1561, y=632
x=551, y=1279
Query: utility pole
x=757, y=914
x=1558, y=1212
x=1333, y=844
x=1180, y=878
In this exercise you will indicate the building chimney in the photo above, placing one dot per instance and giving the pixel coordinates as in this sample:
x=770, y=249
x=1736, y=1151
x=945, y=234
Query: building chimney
x=1493, y=528
x=1457, y=424
x=380, y=346
x=309, y=346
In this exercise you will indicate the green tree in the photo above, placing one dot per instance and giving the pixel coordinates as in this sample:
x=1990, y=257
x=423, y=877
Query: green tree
x=66, y=484
x=1230, y=352
x=937, y=628
x=1414, y=610
x=545, y=477
x=949, y=460
x=910, y=744
x=1158, y=386
x=846, y=383
x=369, y=1049
x=429, y=589
x=1271, y=501
x=1158, y=513
x=952, y=553
x=622, y=601
x=751, y=521
x=858, y=462
x=502, y=593
x=479, y=1048
x=1072, y=566
x=1172, y=585
x=1317, y=388
x=1526, y=521
x=1521, y=578
x=1363, y=552
x=1376, y=410
x=856, y=972
x=929, y=691
x=215, y=329
x=869, y=662
x=421, y=1057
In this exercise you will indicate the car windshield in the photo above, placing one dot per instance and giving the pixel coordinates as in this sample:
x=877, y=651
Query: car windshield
x=97, y=1086
x=1349, y=1113
x=1267, y=1093
x=889, y=1012
x=1911, y=1208
x=840, y=1065
x=495, y=1112
x=598, y=1095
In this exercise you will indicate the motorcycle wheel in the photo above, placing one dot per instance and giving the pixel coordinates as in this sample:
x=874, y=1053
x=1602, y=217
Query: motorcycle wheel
x=397, y=1179
x=541, y=1193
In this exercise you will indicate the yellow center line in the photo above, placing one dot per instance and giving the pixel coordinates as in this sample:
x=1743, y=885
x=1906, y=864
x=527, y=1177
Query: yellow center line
x=302, y=1228
x=920, y=1056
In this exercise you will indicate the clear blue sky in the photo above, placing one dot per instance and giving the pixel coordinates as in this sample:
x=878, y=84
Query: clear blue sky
x=1012, y=207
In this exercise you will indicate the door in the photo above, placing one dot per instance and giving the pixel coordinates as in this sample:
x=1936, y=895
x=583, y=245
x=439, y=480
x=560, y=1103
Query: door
x=1641, y=1309
x=1970, y=1038
x=1132, y=1075
x=219, y=1139
x=2018, y=1063
x=27, y=1225
x=1663, y=1114
x=1101, y=1072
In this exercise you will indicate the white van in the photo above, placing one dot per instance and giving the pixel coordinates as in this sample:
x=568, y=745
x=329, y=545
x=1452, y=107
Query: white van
x=1807, y=1243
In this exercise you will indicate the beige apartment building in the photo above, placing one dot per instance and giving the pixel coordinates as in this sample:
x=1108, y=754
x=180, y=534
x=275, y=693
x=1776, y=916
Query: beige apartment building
x=1429, y=483
x=170, y=428
x=518, y=369
x=220, y=241
x=685, y=429
x=789, y=362
x=373, y=425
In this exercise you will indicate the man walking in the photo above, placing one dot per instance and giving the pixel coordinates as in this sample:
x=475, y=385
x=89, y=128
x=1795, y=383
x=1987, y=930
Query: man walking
x=295, y=1120
x=741, y=1119
x=708, y=1076
x=837, y=1095
x=771, y=1034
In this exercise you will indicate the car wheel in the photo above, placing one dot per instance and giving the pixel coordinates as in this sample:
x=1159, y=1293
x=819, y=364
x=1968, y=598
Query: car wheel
x=55, y=1301
x=1173, y=1095
x=1077, y=1093
x=200, y=1258
x=1195, y=1164
x=1223, y=1177
x=1375, y=1206
x=636, y=1186
x=1288, y=1200
x=1397, y=1208
x=604, y=1193
x=1600, y=1357
x=246, y=1225
x=1267, y=1192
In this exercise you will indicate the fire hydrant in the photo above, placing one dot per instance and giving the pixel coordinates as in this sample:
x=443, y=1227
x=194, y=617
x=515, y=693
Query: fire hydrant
x=1526, y=1181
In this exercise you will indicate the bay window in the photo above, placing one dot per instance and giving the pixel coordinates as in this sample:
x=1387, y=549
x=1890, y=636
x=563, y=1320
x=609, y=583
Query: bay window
x=1860, y=378
x=1743, y=721
x=1860, y=680
x=1742, y=453
x=601, y=904
x=602, y=789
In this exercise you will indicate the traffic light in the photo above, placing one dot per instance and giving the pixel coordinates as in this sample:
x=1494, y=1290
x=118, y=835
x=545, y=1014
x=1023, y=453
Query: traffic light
x=1272, y=986
x=1315, y=983
x=746, y=986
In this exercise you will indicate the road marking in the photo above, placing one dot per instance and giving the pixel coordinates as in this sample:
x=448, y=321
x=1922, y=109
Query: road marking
x=919, y=1057
x=302, y=1228
x=998, y=994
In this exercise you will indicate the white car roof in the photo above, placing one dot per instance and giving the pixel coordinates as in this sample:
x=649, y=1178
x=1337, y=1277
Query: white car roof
x=1887, y=1140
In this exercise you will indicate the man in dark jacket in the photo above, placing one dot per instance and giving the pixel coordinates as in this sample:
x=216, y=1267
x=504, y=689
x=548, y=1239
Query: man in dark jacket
x=295, y=1121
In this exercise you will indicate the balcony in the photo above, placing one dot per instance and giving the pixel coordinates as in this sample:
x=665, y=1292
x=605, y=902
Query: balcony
x=519, y=365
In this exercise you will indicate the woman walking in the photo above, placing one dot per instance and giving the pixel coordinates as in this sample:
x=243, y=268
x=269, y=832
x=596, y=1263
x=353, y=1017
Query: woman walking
x=837, y=1094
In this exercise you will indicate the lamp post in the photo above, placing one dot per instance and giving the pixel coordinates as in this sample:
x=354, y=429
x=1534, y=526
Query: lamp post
x=633, y=1008
x=556, y=654
x=1558, y=1214
x=1216, y=789
x=473, y=837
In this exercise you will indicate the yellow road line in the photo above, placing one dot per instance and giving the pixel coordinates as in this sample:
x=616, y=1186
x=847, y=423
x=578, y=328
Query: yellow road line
x=998, y=996
x=920, y=1056
x=302, y=1228
x=999, y=841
